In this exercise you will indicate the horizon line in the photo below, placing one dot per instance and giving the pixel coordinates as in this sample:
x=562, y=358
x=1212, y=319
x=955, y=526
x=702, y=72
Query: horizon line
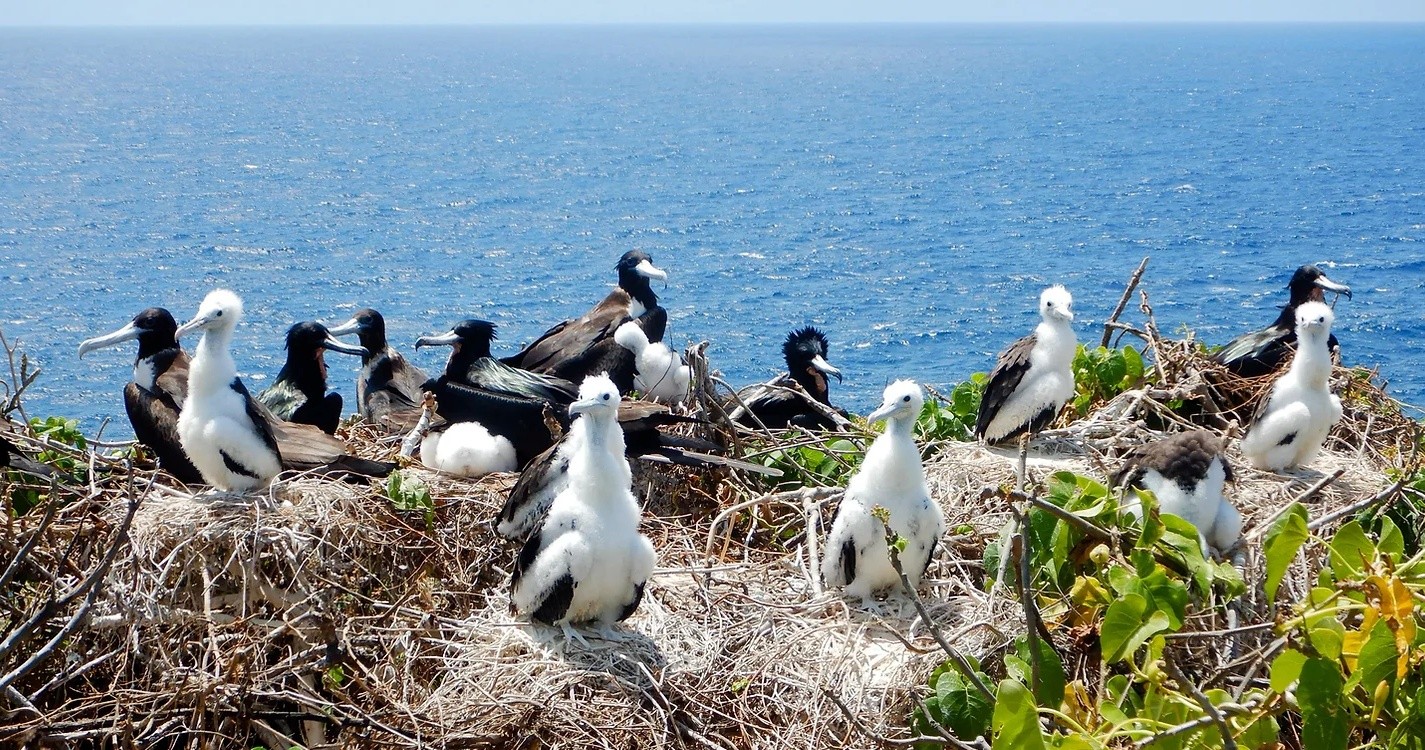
x=705, y=23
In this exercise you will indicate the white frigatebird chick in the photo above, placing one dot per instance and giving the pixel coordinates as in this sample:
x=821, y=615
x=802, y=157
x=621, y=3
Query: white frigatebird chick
x=155, y=394
x=388, y=386
x=1034, y=377
x=299, y=394
x=1265, y=350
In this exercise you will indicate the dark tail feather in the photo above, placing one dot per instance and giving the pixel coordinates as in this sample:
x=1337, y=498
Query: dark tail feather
x=356, y=470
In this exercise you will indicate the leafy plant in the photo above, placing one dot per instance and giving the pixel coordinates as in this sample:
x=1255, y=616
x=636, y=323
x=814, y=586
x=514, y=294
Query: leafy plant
x=828, y=463
x=1101, y=373
x=951, y=417
x=407, y=492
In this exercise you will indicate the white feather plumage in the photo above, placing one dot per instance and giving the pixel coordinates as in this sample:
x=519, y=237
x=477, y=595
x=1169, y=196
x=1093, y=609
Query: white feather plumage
x=1049, y=383
x=214, y=419
x=661, y=375
x=591, y=531
x=1301, y=408
x=1205, y=506
x=467, y=449
x=893, y=477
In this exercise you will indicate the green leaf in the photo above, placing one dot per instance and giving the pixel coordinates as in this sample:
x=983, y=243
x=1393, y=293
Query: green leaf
x=1016, y=721
x=1051, y=671
x=1283, y=541
x=1134, y=362
x=1378, y=658
x=1323, y=711
x=1327, y=637
x=956, y=704
x=1350, y=550
x=1125, y=627
x=1286, y=669
x=1392, y=541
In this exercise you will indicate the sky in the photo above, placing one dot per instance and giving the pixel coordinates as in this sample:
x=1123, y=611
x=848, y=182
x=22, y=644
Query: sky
x=438, y=12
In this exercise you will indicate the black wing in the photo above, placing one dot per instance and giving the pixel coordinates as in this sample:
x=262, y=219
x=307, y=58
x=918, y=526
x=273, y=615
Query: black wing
x=605, y=357
x=258, y=416
x=777, y=408
x=1009, y=371
x=154, y=417
x=632, y=606
x=558, y=597
x=572, y=339
x=284, y=399
x=1259, y=352
x=11, y=458
x=533, y=493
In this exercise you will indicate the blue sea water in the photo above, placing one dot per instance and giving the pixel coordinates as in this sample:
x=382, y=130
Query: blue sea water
x=909, y=189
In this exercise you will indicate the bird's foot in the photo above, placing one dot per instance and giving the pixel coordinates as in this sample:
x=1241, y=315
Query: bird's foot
x=572, y=634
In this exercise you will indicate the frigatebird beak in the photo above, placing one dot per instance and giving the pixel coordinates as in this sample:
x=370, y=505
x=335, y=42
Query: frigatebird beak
x=649, y=271
x=332, y=344
x=1328, y=285
x=127, y=333
x=347, y=328
x=449, y=338
x=825, y=367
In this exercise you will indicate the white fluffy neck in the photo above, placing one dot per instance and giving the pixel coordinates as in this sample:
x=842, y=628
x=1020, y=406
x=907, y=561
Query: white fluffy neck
x=599, y=461
x=1312, y=363
x=212, y=366
x=894, y=458
x=1057, y=337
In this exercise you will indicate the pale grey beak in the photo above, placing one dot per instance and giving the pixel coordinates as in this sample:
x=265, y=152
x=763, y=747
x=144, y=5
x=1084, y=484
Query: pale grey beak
x=334, y=345
x=347, y=328
x=649, y=271
x=582, y=405
x=193, y=325
x=883, y=413
x=449, y=338
x=1331, y=286
x=127, y=333
x=825, y=367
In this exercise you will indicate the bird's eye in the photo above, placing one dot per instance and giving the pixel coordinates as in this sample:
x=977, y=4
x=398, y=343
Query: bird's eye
x=1051, y=304
x=606, y=397
x=220, y=314
x=906, y=399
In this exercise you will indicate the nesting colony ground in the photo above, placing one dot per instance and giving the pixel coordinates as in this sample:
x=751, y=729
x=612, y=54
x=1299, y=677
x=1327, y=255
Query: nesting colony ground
x=321, y=615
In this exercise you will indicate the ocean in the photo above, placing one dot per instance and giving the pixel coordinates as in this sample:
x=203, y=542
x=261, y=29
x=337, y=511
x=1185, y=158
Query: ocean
x=909, y=189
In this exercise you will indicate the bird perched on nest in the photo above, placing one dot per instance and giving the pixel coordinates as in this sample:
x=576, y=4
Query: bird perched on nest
x=1034, y=377
x=587, y=561
x=1292, y=423
x=776, y=406
x=388, y=386
x=1186, y=472
x=660, y=373
x=220, y=426
x=299, y=394
x=470, y=363
x=154, y=396
x=575, y=349
x=892, y=477
x=1265, y=350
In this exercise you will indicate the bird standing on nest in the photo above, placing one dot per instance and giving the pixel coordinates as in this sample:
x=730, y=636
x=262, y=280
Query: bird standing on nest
x=892, y=477
x=299, y=394
x=1034, y=377
x=1263, y=351
x=586, y=561
x=1186, y=473
x=222, y=430
x=154, y=396
x=1292, y=423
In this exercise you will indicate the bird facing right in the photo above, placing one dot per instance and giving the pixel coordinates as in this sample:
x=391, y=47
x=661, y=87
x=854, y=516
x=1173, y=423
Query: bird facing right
x=586, y=561
x=1291, y=425
x=892, y=477
x=1034, y=377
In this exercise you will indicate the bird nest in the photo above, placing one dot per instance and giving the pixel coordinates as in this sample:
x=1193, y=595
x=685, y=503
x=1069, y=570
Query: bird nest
x=321, y=614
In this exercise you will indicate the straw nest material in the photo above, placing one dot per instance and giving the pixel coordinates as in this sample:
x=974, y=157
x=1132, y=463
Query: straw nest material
x=319, y=615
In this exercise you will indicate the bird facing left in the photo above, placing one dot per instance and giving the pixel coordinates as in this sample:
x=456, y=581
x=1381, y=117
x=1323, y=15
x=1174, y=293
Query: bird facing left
x=220, y=426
